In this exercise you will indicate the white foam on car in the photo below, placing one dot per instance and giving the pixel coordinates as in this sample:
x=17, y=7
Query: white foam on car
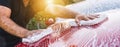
x=94, y=6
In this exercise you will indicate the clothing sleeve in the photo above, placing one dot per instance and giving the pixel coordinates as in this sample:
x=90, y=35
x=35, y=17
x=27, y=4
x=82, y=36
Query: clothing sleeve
x=5, y=3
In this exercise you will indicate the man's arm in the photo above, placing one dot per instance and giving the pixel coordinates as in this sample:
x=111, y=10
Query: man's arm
x=8, y=25
x=61, y=11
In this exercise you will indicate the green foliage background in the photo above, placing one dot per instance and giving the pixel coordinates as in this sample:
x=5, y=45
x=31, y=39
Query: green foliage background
x=38, y=21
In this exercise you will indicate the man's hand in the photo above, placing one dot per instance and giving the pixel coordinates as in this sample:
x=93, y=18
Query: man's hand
x=85, y=17
x=59, y=28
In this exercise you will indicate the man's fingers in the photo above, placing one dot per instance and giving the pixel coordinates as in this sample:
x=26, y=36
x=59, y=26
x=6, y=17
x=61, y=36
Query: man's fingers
x=85, y=18
x=93, y=16
x=58, y=27
x=77, y=20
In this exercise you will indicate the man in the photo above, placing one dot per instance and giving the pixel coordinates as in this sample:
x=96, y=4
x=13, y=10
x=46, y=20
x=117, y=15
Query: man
x=14, y=15
x=13, y=11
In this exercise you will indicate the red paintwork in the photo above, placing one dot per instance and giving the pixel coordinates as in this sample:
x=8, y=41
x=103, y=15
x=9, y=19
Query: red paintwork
x=106, y=34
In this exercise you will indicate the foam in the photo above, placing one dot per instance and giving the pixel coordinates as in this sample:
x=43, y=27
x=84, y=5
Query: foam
x=94, y=6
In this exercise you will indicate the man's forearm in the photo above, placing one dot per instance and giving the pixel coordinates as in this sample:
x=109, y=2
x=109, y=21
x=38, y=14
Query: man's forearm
x=61, y=11
x=8, y=25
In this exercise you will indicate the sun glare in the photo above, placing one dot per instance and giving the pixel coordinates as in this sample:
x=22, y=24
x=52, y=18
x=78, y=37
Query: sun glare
x=49, y=2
